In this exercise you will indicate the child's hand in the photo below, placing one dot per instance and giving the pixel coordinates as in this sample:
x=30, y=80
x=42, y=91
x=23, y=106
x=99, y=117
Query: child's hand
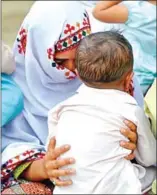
x=51, y=163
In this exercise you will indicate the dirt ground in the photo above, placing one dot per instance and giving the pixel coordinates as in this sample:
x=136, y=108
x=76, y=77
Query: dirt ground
x=13, y=13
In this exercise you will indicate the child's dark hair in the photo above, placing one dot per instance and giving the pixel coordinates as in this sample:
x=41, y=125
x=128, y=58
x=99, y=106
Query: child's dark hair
x=103, y=57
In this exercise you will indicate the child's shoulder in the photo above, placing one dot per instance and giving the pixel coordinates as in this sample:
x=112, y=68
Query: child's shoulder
x=130, y=109
x=140, y=115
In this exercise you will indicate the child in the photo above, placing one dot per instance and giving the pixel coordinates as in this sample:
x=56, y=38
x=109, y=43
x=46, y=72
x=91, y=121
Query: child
x=104, y=62
x=139, y=18
x=12, y=98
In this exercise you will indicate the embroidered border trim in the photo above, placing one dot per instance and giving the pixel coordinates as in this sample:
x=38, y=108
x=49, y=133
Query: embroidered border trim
x=72, y=40
x=11, y=164
x=22, y=40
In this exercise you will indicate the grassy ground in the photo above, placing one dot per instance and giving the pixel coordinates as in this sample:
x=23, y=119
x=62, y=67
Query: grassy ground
x=13, y=13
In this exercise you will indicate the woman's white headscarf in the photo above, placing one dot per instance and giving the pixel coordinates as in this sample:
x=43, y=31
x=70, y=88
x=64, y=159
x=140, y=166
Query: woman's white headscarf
x=50, y=26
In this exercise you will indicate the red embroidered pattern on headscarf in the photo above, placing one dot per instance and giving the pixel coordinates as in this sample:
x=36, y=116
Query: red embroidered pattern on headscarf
x=72, y=35
x=11, y=164
x=22, y=41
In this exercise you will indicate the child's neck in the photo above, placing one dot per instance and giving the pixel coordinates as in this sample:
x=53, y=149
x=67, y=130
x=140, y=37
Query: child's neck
x=111, y=85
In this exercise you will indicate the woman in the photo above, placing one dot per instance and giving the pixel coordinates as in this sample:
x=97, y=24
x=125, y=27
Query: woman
x=44, y=53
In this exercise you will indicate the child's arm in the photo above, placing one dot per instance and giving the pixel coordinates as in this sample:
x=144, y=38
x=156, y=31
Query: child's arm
x=110, y=12
x=145, y=153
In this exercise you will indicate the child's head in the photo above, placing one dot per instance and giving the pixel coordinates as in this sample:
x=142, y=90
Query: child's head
x=105, y=60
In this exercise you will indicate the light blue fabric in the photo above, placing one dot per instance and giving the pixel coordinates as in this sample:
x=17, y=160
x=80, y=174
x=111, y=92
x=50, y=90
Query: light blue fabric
x=140, y=30
x=12, y=99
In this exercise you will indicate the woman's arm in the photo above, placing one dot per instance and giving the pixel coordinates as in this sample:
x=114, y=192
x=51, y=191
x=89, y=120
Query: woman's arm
x=110, y=12
x=35, y=172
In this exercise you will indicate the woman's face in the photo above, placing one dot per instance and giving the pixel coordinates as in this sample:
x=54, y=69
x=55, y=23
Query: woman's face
x=66, y=59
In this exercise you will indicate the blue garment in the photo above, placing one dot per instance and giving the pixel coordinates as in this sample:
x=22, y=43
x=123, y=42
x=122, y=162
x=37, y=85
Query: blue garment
x=140, y=30
x=12, y=99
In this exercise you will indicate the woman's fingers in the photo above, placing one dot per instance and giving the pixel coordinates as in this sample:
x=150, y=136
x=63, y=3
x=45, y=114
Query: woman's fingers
x=128, y=145
x=130, y=156
x=53, y=154
x=58, y=173
x=52, y=143
x=131, y=135
x=131, y=125
x=58, y=182
x=58, y=151
x=59, y=163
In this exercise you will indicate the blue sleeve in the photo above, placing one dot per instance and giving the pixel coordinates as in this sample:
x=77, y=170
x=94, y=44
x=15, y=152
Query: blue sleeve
x=134, y=13
x=12, y=99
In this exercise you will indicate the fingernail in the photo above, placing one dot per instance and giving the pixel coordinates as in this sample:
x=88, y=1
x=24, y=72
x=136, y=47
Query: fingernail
x=66, y=146
x=72, y=171
x=71, y=160
x=123, y=130
x=70, y=182
x=125, y=121
x=122, y=143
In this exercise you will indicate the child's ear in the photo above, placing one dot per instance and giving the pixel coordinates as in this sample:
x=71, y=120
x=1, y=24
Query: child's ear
x=128, y=81
x=78, y=76
x=77, y=73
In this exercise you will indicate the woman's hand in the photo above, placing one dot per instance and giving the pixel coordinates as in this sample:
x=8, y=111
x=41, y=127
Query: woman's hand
x=47, y=167
x=131, y=134
x=52, y=164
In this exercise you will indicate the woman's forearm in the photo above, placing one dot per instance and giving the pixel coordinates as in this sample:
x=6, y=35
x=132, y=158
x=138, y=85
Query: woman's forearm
x=35, y=172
